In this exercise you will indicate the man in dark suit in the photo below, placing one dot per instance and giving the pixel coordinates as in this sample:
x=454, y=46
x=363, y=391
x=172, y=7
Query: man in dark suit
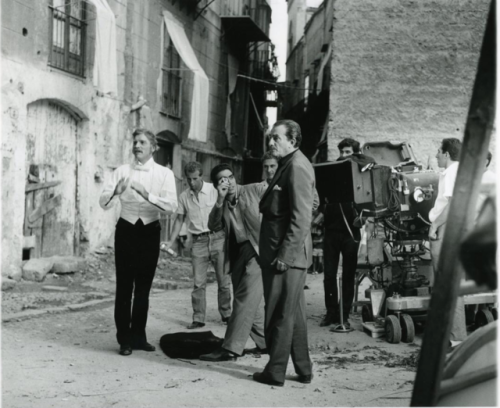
x=285, y=248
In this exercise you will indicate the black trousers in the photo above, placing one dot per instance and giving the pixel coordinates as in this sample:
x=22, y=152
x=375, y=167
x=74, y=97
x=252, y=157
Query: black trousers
x=336, y=243
x=137, y=248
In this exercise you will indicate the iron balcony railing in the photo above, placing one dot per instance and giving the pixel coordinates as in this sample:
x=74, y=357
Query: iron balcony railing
x=263, y=65
x=68, y=40
x=260, y=12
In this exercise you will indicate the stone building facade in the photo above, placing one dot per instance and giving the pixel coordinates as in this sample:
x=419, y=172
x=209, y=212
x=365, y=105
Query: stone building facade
x=64, y=132
x=304, y=96
x=403, y=71
x=399, y=70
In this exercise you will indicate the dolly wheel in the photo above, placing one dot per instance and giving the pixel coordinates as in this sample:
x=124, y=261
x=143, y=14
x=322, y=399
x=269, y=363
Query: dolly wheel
x=407, y=329
x=366, y=314
x=483, y=317
x=392, y=329
x=494, y=312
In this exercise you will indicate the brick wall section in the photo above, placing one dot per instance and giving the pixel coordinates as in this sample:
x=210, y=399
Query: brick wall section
x=403, y=70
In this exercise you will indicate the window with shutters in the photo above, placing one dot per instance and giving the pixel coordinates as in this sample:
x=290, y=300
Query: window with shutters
x=171, y=79
x=68, y=31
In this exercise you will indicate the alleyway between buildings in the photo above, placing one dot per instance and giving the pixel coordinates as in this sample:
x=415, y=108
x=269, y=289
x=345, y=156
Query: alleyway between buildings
x=70, y=358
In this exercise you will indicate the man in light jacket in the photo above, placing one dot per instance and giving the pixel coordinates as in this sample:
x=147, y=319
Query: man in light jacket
x=236, y=212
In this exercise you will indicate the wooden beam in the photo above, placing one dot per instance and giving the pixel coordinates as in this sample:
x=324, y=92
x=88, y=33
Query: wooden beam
x=38, y=186
x=43, y=209
x=462, y=210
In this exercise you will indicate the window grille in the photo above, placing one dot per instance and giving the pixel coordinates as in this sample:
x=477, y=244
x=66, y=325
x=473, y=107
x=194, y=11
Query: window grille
x=68, y=35
x=172, y=79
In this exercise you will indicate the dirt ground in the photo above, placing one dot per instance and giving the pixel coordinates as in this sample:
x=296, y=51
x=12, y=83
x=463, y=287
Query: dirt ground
x=70, y=359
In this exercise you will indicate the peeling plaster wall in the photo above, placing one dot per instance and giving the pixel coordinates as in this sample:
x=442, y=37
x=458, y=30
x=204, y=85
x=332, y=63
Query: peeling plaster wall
x=102, y=141
x=105, y=123
x=99, y=147
x=403, y=70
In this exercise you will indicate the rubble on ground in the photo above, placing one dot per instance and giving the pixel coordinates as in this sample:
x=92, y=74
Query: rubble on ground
x=36, y=269
x=64, y=280
x=343, y=359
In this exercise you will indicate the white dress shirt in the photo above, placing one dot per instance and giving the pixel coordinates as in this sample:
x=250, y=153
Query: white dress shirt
x=236, y=219
x=198, y=210
x=445, y=190
x=158, y=181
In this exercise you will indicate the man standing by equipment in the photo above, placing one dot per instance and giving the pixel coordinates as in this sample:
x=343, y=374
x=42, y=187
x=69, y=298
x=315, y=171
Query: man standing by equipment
x=237, y=213
x=285, y=249
x=341, y=237
x=144, y=189
x=195, y=203
x=447, y=157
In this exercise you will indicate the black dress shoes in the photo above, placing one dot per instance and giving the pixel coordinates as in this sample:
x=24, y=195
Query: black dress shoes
x=196, y=325
x=265, y=378
x=328, y=320
x=304, y=379
x=145, y=346
x=256, y=350
x=125, y=350
x=219, y=355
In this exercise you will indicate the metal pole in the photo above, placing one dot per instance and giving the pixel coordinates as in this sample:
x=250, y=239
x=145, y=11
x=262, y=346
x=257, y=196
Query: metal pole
x=472, y=161
x=341, y=328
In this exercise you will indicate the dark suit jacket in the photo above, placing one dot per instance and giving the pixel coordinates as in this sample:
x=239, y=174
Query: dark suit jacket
x=248, y=204
x=286, y=207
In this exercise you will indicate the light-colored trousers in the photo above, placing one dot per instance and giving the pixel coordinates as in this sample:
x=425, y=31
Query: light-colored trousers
x=458, y=328
x=205, y=249
x=247, y=318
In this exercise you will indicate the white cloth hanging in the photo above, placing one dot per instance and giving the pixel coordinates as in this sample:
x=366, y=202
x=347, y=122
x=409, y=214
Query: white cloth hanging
x=200, y=101
x=105, y=68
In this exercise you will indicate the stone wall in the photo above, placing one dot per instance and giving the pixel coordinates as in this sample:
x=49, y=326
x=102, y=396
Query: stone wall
x=403, y=70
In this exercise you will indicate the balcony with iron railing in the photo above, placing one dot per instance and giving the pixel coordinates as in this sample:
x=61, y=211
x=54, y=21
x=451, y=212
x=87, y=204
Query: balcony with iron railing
x=260, y=12
x=263, y=65
x=249, y=20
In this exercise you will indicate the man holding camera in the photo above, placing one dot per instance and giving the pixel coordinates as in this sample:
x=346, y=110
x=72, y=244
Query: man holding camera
x=236, y=212
x=341, y=237
x=447, y=157
x=195, y=203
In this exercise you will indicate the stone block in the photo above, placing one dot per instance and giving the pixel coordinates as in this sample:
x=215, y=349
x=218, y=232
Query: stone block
x=68, y=264
x=90, y=303
x=49, y=288
x=16, y=273
x=165, y=285
x=36, y=269
x=8, y=284
x=29, y=242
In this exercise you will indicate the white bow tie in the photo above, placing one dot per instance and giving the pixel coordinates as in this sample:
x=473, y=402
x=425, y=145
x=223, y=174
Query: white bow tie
x=140, y=167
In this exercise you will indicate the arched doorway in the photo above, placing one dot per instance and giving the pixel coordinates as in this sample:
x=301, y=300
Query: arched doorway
x=51, y=187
